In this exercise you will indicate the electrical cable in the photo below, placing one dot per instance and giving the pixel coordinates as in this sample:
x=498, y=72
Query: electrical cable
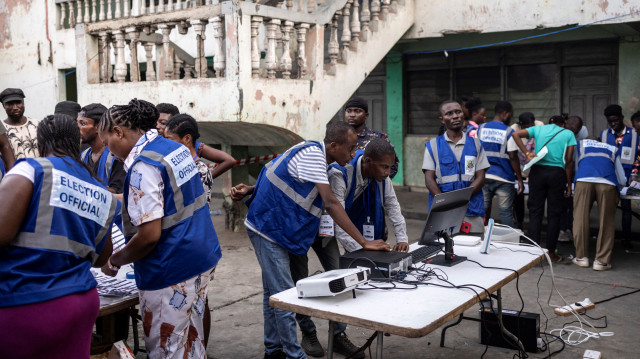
x=582, y=334
x=509, y=340
x=446, y=51
x=617, y=296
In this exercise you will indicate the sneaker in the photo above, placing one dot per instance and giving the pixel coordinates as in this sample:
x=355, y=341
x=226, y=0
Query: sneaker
x=311, y=345
x=276, y=355
x=565, y=236
x=626, y=244
x=342, y=345
x=555, y=258
x=597, y=265
x=582, y=262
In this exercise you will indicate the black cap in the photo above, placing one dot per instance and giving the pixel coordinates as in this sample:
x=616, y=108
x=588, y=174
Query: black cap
x=69, y=108
x=11, y=94
x=357, y=102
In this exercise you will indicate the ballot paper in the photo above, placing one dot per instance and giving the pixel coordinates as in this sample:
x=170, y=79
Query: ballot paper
x=632, y=190
x=114, y=287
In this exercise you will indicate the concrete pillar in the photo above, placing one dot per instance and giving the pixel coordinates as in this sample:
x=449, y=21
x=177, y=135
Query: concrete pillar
x=87, y=70
x=395, y=123
x=239, y=174
x=629, y=76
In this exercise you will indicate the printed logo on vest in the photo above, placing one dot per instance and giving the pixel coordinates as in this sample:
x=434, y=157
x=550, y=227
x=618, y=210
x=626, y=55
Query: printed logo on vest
x=492, y=135
x=182, y=164
x=136, y=178
x=469, y=165
x=625, y=154
x=85, y=199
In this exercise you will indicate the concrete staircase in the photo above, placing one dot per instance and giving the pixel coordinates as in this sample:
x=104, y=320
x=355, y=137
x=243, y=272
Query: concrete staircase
x=290, y=64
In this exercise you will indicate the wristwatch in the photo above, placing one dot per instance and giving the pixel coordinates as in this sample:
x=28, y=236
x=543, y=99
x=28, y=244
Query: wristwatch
x=111, y=266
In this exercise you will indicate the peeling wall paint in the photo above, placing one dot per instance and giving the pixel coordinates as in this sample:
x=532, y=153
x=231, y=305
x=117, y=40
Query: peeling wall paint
x=435, y=18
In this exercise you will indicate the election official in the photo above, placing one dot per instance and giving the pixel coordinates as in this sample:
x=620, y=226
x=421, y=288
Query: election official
x=168, y=230
x=56, y=220
x=453, y=161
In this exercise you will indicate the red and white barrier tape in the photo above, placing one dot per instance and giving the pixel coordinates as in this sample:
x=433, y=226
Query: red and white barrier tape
x=246, y=161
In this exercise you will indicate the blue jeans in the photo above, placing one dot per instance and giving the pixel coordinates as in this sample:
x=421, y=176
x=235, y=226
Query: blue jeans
x=329, y=257
x=279, y=325
x=506, y=192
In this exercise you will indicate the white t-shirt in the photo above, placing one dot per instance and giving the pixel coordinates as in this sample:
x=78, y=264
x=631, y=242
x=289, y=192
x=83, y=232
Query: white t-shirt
x=23, y=169
x=23, y=139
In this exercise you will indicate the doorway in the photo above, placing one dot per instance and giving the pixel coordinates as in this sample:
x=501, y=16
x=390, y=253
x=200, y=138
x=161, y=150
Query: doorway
x=586, y=91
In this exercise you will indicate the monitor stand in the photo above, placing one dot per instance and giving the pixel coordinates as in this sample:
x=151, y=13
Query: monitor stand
x=448, y=259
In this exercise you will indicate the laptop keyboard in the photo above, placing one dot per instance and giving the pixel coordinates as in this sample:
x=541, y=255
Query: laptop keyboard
x=424, y=252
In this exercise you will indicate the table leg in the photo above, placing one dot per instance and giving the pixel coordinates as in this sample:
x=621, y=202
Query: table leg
x=134, y=324
x=444, y=330
x=379, y=345
x=502, y=328
x=330, y=344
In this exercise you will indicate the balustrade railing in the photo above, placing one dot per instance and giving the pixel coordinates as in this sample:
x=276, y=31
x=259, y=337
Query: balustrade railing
x=278, y=38
x=72, y=12
x=284, y=40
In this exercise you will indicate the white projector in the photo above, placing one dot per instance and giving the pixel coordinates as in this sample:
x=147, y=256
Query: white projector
x=332, y=283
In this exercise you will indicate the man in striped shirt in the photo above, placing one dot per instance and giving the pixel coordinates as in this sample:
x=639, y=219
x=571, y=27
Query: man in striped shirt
x=284, y=217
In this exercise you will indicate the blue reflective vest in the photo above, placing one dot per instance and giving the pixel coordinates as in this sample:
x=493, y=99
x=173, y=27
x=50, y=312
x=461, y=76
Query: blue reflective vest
x=627, y=151
x=188, y=244
x=2, y=170
x=596, y=159
x=452, y=175
x=68, y=221
x=369, y=203
x=105, y=164
x=494, y=136
x=283, y=209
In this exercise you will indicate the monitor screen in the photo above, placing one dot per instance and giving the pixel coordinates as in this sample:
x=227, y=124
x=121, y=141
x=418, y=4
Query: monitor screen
x=447, y=211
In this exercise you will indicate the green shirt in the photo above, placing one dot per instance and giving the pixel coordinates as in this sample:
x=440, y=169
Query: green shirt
x=556, y=147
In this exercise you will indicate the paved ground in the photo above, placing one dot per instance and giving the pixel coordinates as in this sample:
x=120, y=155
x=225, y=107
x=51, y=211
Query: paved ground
x=236, y=303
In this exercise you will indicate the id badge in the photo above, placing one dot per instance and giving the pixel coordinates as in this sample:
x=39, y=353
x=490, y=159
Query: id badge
x=367, y=232
x=625, y=154
x=326, y=226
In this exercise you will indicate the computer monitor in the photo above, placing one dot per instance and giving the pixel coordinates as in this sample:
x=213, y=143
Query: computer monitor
x=447, y=211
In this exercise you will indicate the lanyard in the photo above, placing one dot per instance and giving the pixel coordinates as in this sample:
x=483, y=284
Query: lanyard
x=365, y=201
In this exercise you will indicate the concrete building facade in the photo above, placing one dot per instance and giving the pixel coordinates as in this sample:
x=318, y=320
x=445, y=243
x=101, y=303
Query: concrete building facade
x=293, y=64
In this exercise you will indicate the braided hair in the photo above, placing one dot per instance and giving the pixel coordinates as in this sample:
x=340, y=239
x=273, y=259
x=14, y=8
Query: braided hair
x=59, y=135
x=183, y=125
x=138, y=114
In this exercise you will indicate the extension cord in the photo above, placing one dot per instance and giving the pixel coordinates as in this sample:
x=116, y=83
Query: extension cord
x=577, y=307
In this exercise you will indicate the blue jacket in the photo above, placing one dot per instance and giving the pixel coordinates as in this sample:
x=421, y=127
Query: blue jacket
x=283, y=209
x=596, y=159
x=494, y=136
x=68, y=221
x=188, y=244
x=452, y=175
x=627, y=151
x=105, y=164
x=369, y=203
